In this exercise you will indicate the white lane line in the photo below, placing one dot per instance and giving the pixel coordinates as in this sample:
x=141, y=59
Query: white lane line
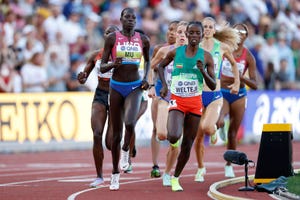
x=74, y=195
x=41, y=172
x=92, y=179
x=42, y=180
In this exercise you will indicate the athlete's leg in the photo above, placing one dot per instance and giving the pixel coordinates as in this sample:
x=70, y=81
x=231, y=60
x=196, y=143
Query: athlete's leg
x=98, y=118
x=210, y=118
x=143, y=108
x=175, y=125
x=155, y=146
x=237, y=110
x=161, y=121
x=131, y=109
x=116, y=114
x=224, y=111
x=191, y=123
x=199, y=143
x=109, y=133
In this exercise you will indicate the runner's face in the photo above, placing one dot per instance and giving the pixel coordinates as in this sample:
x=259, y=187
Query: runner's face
x=128, y=19
x=194, y=34
x=180, y=35
x=242, y=32
x=209, y=28
x=171, y=33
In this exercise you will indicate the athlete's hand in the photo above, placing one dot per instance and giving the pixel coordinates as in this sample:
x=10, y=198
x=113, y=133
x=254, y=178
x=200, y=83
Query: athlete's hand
x=151, y=92
x=235, y=87
x=82, y=77
x=145, y=85
x=200, y=65
x=118, y=62
x=164, y=91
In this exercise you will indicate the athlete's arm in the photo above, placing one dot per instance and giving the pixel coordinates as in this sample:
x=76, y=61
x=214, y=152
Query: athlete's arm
x=82, y=76
x=208, y=74
x=157, y=58
x=170, y=56
x=251, y=81
x=146, y=50
x=108, y=46
x=234, y=88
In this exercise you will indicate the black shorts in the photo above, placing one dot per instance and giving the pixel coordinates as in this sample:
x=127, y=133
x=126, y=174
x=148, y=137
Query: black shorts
x=101, y=96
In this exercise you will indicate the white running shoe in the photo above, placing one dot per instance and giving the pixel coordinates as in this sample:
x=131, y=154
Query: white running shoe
x=166, y=179
x=97, y=182
x=114, y=182
x=229, y=173
x=124, y=160
x=199, y=177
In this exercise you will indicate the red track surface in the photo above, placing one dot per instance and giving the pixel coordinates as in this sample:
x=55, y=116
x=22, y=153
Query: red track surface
x=67, y=174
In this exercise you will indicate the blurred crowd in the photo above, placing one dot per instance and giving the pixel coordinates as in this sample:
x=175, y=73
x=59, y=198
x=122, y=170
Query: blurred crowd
x=45, y=43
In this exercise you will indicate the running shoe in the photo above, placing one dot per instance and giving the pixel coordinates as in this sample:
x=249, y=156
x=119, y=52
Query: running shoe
x=229, y=173
x=222, y=134
x=124, y=160
x=155, y=173
x=97, y=182
x=175, y=184
x=114, y=182
x=214, y=138
x=129, y=170
x=166, y=179
x=199, y=177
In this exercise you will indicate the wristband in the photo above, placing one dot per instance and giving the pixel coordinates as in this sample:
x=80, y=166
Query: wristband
x=150, y=86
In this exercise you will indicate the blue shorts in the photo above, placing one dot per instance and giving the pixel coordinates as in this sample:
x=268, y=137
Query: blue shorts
x=210, y=96
x=125, y=88
x=158, y=87
x=233, y=97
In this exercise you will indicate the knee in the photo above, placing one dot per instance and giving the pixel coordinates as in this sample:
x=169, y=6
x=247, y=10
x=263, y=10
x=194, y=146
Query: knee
x=97, y=140
x=161, y=136
x=209, y=129
x=172, y=139
x=154, y=132
x=130, y=127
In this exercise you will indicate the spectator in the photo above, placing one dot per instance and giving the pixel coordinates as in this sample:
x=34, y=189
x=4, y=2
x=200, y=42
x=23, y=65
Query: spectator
x=270, y=77
x=94, y=39
x=72, y=82
x=56, y=22
x=61, y=46
x=258, y=42
x=284, y=82
x=295, y=46
x=286, y=53
x=9, y=27
x=34, y=74
x=29, y=42
x=57, y=74
x=6, y=75
x=269, y=51
x=149, y=24
x=73, y=24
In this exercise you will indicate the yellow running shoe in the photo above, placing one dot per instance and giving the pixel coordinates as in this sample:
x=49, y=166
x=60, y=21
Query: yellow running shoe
x=175, y=184
x=214, y=138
